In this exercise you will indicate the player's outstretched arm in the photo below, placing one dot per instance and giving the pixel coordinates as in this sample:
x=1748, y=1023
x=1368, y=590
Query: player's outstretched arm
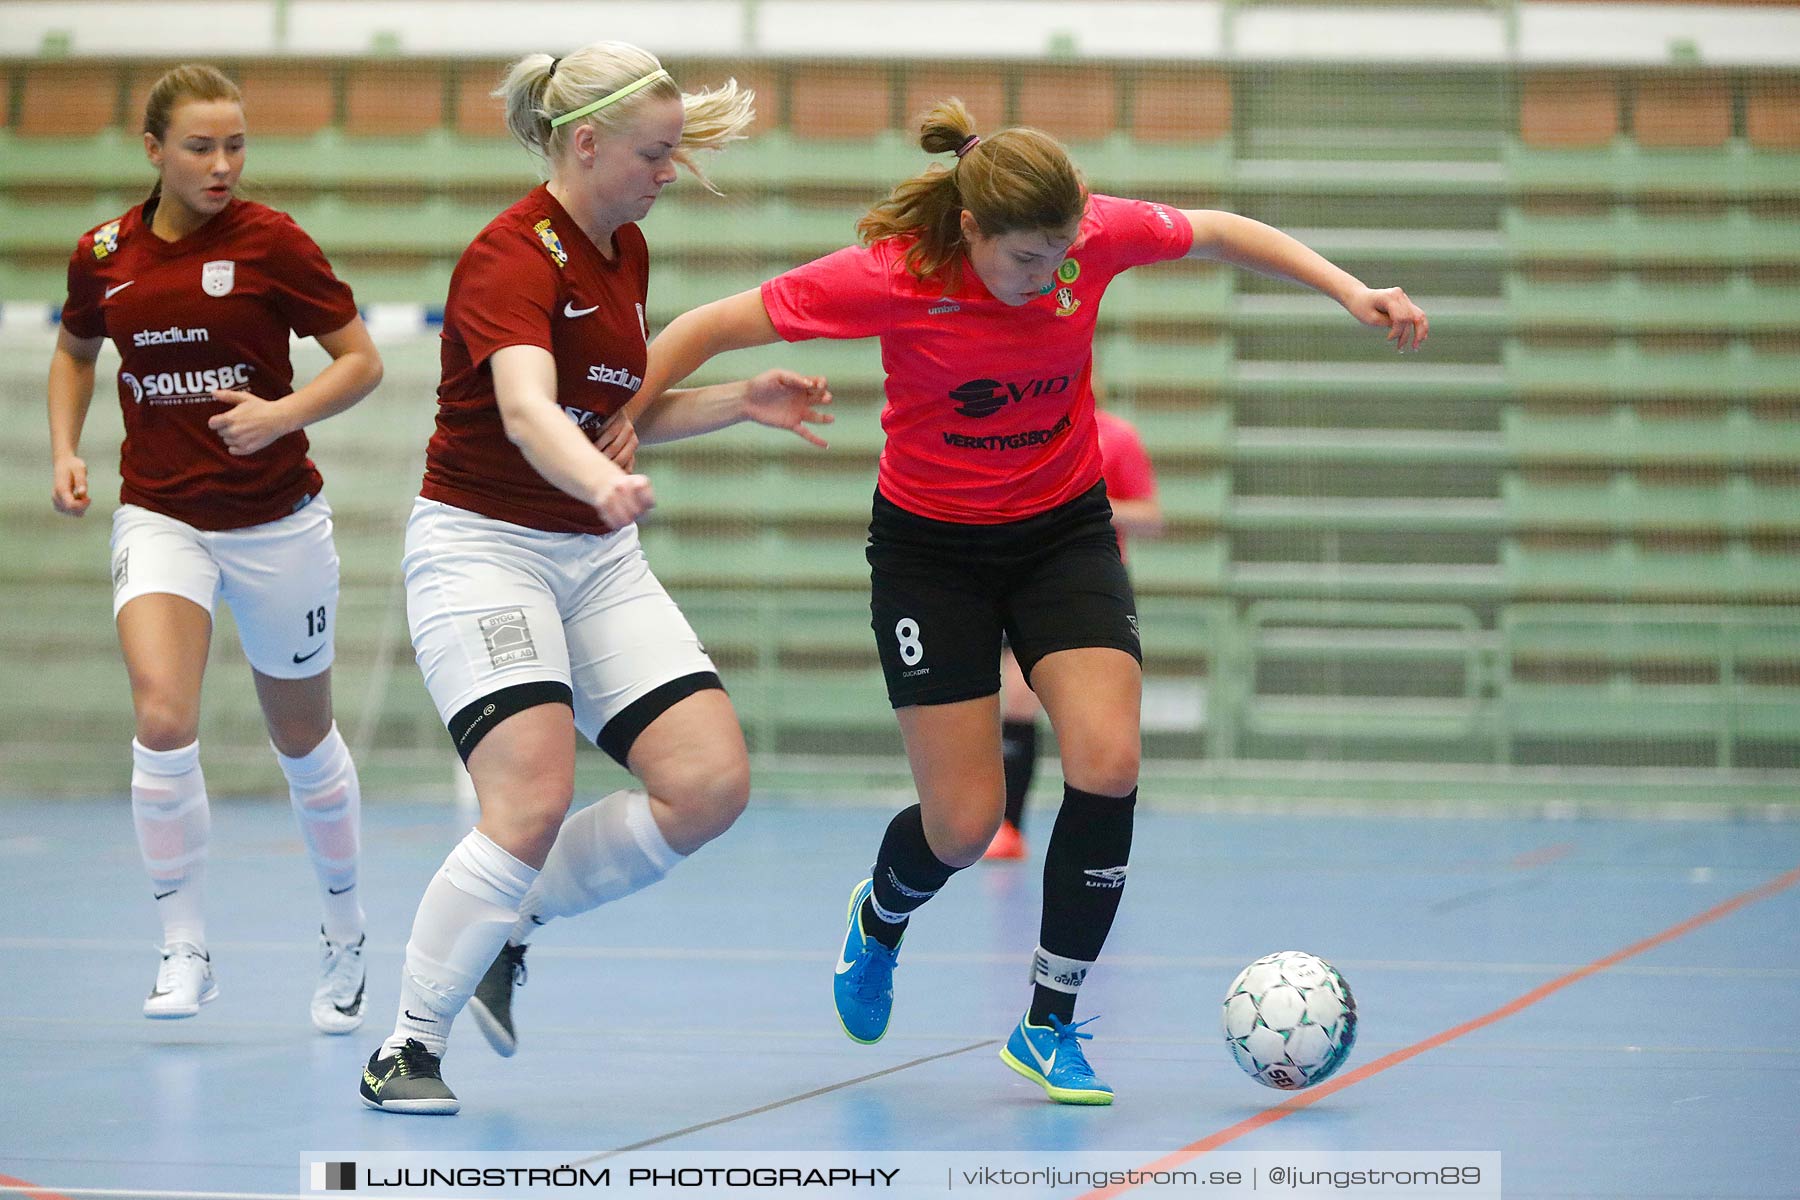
x=252, y=423
x=779, y=398
x=71, y=391
x=525, y=388
x=1266, y=250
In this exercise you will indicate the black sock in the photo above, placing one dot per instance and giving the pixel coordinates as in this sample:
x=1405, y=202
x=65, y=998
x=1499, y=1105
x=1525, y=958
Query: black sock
x=1084, y=877
x=1018, y=751
x=907, y=874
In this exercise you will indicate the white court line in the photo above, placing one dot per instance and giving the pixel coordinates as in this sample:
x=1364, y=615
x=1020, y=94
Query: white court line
x=766, y=955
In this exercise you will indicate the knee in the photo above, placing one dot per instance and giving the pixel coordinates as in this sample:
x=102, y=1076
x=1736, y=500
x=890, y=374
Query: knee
x=166, y=723
x=1106, y=768
x=525, y=821
x=707, y=796
x=296, y=737
x=964, y=835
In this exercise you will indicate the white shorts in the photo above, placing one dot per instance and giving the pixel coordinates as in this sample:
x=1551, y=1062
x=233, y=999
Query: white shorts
x=504, y=617
x=280, y=579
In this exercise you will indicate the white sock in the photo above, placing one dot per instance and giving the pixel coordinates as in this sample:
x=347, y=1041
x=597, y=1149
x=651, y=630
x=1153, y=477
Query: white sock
x=174, y=823
x=327, y=801
x=461, y=925
x=609, y=849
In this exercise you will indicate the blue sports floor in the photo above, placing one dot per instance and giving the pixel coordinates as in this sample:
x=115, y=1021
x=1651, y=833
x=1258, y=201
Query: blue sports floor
x=697, y=1016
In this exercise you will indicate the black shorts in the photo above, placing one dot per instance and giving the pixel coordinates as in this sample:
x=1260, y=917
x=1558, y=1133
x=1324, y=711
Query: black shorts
x=942, y=595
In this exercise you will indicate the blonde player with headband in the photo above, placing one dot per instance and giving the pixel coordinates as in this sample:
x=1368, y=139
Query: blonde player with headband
x=534, y=614
x=982, y=280
x=200, y=292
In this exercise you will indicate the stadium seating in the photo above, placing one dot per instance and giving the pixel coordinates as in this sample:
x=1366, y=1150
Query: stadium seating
x=1569, y=529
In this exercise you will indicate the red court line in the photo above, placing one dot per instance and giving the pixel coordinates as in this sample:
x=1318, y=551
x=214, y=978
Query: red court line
x=31, y=1190
x=1313, y=1095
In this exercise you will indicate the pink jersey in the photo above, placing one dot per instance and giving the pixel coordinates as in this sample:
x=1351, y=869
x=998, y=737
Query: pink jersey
x=1124, y=463
x=990, y=409
x=532, y=278
x=212, y=310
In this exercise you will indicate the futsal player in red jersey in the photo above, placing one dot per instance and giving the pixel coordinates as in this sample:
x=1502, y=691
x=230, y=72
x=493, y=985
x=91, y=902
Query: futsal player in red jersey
x=1130, y=480
x=200, y=291
x=534, y=614
x=982, y=281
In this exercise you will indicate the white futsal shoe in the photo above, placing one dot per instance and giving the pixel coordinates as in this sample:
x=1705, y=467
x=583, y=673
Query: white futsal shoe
x=337, y=1003
x=183, y=983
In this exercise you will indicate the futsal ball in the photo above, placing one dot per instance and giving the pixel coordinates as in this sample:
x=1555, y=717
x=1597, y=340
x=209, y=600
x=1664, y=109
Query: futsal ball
x=1290, y=1020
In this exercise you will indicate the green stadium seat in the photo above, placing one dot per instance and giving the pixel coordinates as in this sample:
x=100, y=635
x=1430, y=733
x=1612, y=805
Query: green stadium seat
x=52, y=230
x=1199, y=430
x=1633, y=673
x=1402, y=379
x=774, y=229
x=1463, y=583
x=1180, y=563
x=1732, y=438
x=1193, y=495
x=1623, y=503
x=1377, y=655
x=1625, y=168
x=1630, y=372
x=1398, y=515
x=1627, y=304
x=1374, y=447
x=1737, y=572
x=1622, y=235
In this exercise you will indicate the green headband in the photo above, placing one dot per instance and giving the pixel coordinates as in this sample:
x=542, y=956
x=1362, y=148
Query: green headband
x=603, y=101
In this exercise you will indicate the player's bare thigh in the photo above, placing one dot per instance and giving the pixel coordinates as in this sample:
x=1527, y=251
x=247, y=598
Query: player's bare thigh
x=524, y=775
x=1094, y=695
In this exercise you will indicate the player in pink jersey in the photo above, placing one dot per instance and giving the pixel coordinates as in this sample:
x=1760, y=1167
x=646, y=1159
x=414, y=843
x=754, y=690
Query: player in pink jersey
x=990, y=518
x=1131, y=491
x=534, y=614
x=200, y=292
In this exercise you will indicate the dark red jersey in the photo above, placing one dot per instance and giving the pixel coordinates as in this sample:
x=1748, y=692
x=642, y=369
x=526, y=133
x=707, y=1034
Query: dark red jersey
x=532, y=278
x=212, y=310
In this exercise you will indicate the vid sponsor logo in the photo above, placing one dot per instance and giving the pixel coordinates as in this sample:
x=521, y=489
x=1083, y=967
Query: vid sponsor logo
x=985, y=397
x=185, y=387
x=163, y=337
x=617, y=376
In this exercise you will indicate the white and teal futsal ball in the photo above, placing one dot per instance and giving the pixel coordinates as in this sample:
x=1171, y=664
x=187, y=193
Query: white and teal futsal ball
x=1290, y=1020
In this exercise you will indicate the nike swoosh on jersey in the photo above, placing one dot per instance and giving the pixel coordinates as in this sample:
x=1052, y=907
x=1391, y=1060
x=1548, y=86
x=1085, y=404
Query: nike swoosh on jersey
x=569, y=309
x=119, y=287
x=300, y=658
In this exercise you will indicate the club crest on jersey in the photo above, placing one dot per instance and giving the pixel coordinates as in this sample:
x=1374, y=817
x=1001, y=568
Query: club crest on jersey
x=218, y=277
x=552, y=243
x=106, y=239
x=1066, y=302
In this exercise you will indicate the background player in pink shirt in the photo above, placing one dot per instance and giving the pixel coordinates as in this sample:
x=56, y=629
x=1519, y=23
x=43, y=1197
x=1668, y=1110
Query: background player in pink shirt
x=1131, y=491
x=199, y=291
x=534, y=614
x=990, y=518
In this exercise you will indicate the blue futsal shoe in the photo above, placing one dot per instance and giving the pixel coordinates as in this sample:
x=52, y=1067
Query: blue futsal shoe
x=864, y=986
x=1052, y=1059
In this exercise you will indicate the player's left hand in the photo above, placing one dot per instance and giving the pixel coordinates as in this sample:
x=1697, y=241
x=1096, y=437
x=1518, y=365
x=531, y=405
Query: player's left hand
x=250, y=424
x=618, y=440
x=781, y=399
x=1392, y=308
